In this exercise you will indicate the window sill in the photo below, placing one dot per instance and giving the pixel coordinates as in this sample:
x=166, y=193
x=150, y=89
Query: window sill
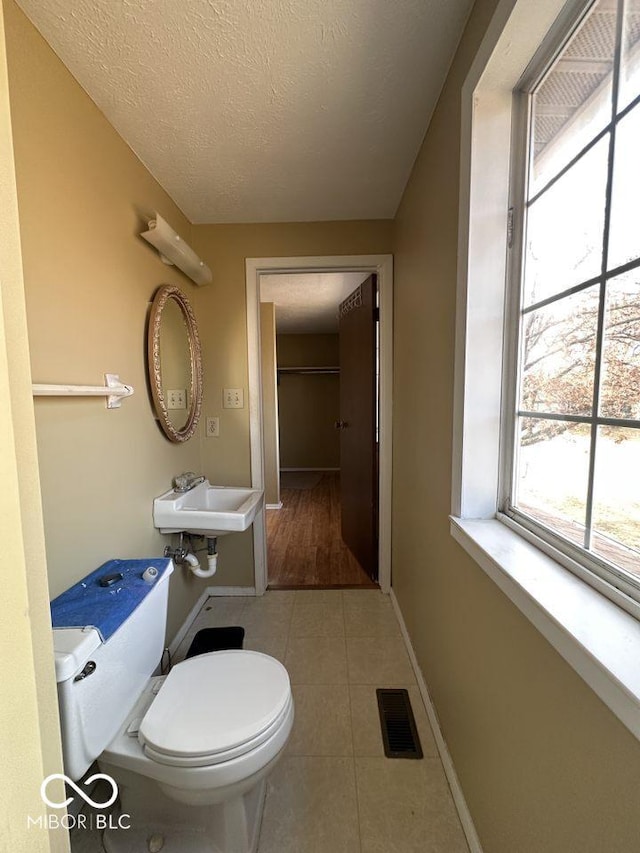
x=595, y=636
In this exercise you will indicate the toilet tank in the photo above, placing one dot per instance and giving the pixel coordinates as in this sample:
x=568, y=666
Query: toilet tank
x=108, y=638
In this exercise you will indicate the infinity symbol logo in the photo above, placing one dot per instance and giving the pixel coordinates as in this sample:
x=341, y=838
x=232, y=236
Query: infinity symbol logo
x=81, y=793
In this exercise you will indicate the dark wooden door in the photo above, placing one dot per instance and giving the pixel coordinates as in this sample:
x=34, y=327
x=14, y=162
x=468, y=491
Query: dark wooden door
x=357, y=424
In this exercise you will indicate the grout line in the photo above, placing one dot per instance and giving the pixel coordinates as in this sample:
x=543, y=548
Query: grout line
x=353, y=742
x=358, y=819
x=351, y=725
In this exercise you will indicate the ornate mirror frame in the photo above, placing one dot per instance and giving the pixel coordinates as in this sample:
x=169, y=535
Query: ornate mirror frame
x=160, y=299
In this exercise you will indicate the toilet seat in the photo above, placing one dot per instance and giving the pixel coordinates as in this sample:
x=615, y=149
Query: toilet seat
x=216, y=707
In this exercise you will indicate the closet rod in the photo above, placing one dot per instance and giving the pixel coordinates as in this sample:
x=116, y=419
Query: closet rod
x=309, y=370
x=113, y=389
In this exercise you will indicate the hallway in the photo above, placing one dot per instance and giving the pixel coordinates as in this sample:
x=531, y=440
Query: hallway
x=304, y=544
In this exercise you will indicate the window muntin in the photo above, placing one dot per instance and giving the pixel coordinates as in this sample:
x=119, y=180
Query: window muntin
x=576, y=460
x=624, y=244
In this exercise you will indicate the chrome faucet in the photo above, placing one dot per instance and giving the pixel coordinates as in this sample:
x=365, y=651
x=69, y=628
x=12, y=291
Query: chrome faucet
x=185, y=482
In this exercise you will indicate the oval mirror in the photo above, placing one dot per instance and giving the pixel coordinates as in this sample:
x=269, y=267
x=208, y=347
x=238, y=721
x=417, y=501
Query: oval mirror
x=175, y=363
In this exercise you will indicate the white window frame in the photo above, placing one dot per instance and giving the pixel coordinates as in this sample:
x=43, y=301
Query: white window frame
x=573, y=609
x=586, y=563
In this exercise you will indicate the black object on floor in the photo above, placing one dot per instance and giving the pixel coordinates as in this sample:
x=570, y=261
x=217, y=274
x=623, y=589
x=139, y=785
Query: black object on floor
x=399, y=732
x=215, y=640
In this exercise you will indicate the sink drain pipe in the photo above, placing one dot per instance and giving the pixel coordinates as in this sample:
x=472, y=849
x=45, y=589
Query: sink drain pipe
x=212, y=560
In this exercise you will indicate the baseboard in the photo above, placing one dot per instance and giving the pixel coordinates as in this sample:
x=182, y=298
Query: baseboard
x=445, y=756
x=274, y=506
x=285, y=470
x=231, y=590
x=182, y=631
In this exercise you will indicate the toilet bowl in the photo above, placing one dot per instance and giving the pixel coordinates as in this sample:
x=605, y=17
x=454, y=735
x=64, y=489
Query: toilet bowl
x=190, y=751
x=192, y=755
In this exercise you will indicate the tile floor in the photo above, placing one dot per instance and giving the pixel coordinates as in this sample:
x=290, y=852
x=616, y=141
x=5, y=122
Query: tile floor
x=333, y=791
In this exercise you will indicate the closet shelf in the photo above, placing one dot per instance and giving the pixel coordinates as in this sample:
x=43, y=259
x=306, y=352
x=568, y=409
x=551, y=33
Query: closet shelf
x=113, y=389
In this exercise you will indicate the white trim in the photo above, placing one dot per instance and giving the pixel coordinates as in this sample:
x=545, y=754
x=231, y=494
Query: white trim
x=457, y=793
x=596, y=637
x=515, y=33
x=279, y=505
x=214, y=591
x=382, y=266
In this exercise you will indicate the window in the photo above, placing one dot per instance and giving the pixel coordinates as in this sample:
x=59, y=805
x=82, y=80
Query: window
x=573, y=458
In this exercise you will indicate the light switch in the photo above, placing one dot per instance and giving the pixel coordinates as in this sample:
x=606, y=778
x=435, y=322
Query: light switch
x=233, y=398
x=177, y=399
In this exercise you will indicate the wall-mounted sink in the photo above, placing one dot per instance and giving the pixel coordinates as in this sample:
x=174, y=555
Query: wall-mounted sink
x=207, y=510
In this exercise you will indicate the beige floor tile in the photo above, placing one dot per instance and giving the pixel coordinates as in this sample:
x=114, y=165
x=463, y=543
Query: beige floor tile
x=322, y=723
x=367, y=737
x=406, y=807
x=220, y=612
x=319, y=596
x=365, y=598
x=383, y=662
x=275, y=647
x=311, y=807
x=271, y=602
x=375, y=622
x=267, y=617
x=317, y=660
x=282, y=597
x=317, y=620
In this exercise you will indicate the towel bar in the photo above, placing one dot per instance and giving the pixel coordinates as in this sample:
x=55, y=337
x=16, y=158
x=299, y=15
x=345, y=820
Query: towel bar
x=113, y=389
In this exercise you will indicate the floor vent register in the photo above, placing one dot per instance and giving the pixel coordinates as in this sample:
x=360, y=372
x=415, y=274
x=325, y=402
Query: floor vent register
x=399, y=732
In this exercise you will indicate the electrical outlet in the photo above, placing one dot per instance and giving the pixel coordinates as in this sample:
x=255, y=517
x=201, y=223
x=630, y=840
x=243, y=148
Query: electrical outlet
x=233, y=398
x=213, y=427
x=177, y=399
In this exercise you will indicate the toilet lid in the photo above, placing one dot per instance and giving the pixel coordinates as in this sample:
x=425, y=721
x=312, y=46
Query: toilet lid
x=215, y=702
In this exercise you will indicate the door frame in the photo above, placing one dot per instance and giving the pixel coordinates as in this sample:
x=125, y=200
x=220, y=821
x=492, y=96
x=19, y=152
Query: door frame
x=382, y=266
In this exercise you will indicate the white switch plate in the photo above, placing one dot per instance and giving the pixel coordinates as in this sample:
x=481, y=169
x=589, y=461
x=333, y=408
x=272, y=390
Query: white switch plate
x=177, y=399
x=213, y=427
x=233, y=398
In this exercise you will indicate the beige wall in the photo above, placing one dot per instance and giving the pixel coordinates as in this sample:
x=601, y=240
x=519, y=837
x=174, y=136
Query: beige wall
x=29, y=736
x=308, y=350
x=545, y=767
x=83, y=198
x=269, y=403
x=309, y=404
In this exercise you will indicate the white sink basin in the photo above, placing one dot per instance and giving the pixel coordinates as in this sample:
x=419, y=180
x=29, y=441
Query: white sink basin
x=207, y=510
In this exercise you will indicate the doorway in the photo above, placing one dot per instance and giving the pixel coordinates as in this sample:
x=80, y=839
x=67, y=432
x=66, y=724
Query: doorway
x=319, y=413
x=257, y=269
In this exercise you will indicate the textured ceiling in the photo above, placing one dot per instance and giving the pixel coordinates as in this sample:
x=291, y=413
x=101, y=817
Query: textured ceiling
x=264, y=110
x=308, y=303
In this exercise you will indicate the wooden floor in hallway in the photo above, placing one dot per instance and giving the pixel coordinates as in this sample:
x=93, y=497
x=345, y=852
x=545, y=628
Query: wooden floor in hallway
x=304, y=544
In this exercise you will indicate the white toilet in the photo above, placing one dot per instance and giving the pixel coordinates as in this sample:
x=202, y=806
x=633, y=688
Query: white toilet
x=189, y=752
